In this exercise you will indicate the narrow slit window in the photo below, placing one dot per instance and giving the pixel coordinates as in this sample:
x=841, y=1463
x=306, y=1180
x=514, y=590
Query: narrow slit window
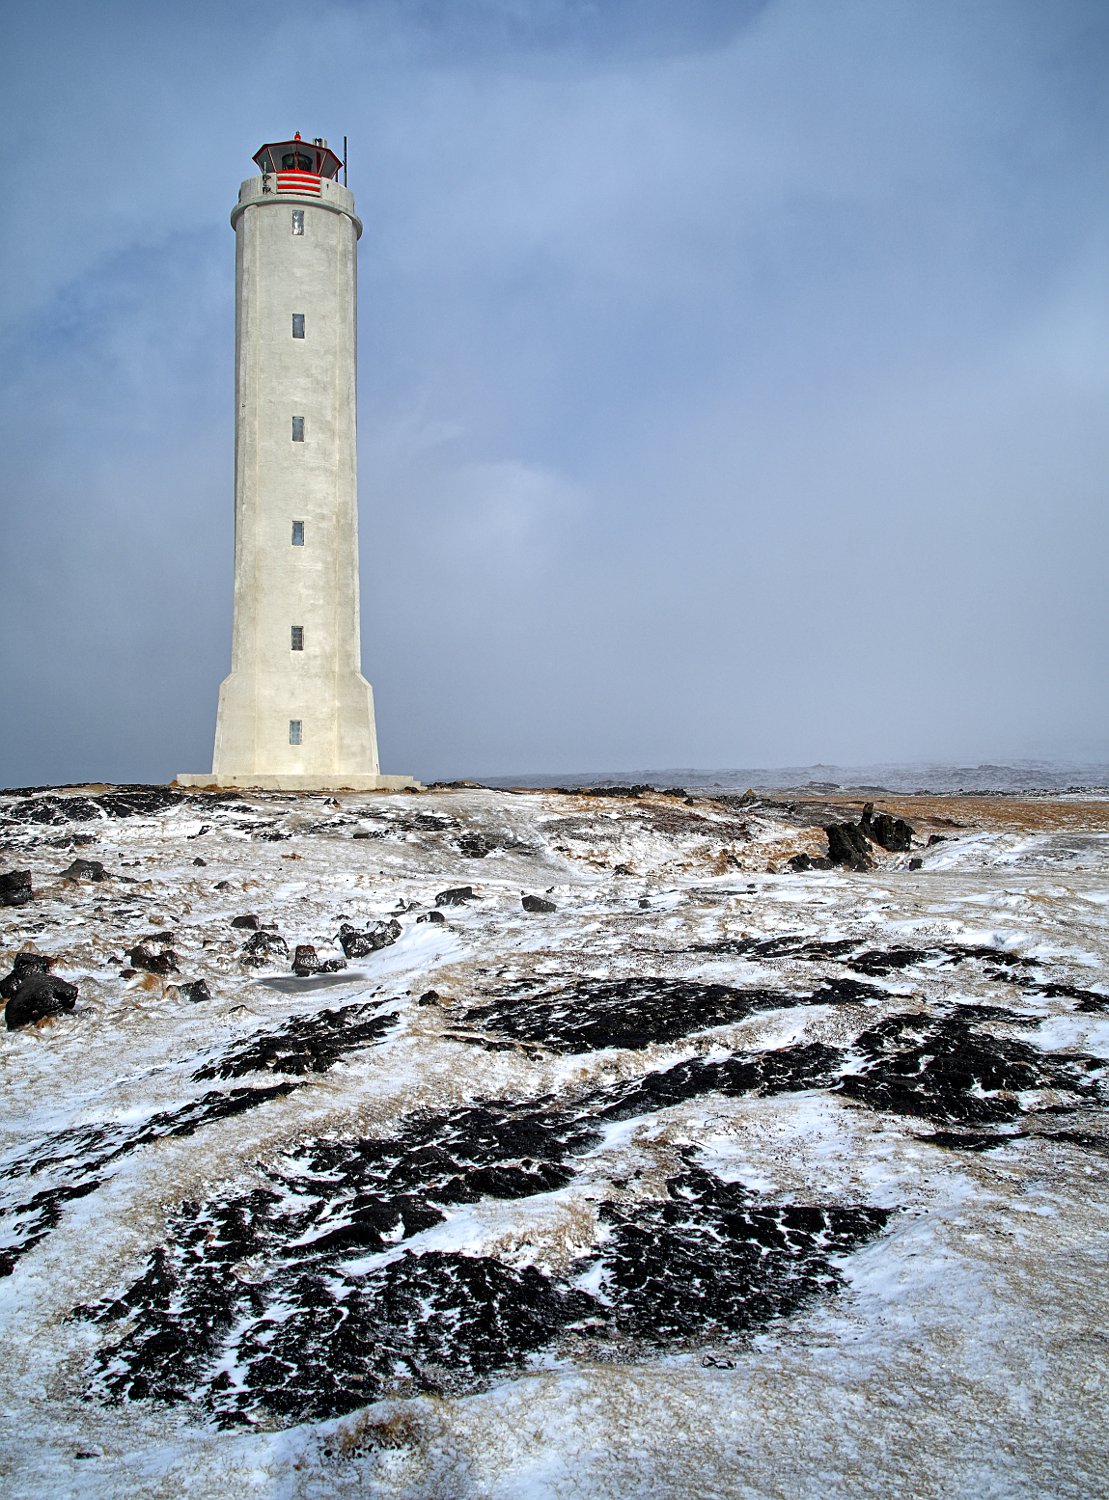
x=297, y=632
x=294, y=732
x=298, y=221
x=298, y=325
x=298, y=533
x=298, y=429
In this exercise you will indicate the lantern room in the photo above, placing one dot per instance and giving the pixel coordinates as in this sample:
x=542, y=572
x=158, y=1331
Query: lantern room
x=314, y=157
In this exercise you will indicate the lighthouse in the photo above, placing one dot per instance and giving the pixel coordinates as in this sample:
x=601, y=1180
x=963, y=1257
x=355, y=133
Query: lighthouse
x=295, y=711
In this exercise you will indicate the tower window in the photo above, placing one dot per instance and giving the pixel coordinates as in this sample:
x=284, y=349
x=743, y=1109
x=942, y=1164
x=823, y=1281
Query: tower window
x=298, y=221
x=298, y=533
x=296, y=161
x=294, y=731
x=298, y=637
x=298, y=325
x=298, y=429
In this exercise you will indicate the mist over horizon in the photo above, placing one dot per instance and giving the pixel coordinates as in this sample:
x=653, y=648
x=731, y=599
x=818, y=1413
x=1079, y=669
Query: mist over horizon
x=733, y=378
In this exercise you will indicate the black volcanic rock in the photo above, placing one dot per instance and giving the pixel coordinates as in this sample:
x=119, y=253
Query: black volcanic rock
x=848, y=846
x=262, y=947
x=537, y=904
x=457, y=895
x=153, y=956
x=15, y=888
x=84, y=869
x=39, y=995
x=359, y=942
x=891, y=833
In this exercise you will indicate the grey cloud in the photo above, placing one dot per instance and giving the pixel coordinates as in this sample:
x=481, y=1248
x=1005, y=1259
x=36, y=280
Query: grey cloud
x=732, y=389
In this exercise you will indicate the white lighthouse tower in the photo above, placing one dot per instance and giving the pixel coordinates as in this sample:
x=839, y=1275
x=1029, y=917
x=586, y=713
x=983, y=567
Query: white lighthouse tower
x=295, y=711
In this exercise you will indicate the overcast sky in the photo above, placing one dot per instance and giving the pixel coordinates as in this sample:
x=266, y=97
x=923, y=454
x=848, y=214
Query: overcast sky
x=733, y=375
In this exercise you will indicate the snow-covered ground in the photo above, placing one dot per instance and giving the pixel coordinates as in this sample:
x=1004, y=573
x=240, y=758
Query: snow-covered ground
x=716, y=1179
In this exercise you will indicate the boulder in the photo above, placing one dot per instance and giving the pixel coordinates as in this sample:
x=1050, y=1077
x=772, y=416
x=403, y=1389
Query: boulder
x=195, y=991
x=263, y=946
x=431, y=916
x=849, y=846
x=429, y=997
x=84, y=869
x=153, y=956
x=357, y=943
x=305, y=959
x=916, y=863
x=800, y=862
x=23, y=966
x=39, y=995
x=457, y=895
x=249, y=922
x=15, y=888
x=537, y=904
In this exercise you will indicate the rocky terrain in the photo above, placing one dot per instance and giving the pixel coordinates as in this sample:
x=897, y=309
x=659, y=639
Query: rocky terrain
x=553, y=1143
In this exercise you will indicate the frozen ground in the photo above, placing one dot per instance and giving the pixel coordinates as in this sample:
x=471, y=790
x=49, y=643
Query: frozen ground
x=715, y=1180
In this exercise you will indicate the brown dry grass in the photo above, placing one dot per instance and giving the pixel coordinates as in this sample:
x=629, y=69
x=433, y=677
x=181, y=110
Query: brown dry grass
x=1037, y=815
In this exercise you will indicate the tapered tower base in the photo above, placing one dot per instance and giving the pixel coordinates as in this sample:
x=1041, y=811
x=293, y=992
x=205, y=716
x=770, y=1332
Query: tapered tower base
x=301, y=783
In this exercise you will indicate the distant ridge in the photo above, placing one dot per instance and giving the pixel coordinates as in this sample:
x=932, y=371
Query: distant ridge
x=924, y=776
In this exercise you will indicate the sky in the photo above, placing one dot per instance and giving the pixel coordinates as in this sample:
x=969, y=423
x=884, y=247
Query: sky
x=733, y=375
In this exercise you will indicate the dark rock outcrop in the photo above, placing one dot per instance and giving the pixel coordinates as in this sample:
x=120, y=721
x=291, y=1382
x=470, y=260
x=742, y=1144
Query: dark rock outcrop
x=849, y=846
x=474, y=846
x=882, y=828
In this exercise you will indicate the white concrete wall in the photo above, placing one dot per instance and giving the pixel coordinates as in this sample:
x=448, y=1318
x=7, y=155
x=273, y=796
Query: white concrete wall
x=278, y=481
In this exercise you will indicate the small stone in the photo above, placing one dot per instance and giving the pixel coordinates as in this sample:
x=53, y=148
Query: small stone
x=199, y=861
x=195, y=992
x=800, y=862
x=916, y=863
x=15, y=888
x=537, y=904
x=223, y=885
x=429, y=997
x=457, y=895
x=431, y=916
x=249, y=922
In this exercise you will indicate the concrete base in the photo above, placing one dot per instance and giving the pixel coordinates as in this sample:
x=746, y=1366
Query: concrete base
x=338, y=783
